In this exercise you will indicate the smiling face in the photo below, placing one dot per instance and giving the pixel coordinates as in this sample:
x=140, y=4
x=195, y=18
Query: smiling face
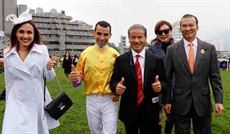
x=189, y=28
x=137, y=39
x=164, y=33
x=25, y=35
x=102, y=35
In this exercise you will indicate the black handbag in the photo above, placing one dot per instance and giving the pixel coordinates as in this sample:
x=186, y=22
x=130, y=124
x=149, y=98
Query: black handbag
x=59, y=105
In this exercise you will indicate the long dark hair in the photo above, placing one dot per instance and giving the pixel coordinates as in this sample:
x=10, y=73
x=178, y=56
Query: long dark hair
x=14, y=40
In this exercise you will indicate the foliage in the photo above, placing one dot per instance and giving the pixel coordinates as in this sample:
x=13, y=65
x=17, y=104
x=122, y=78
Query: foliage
x=114, y=46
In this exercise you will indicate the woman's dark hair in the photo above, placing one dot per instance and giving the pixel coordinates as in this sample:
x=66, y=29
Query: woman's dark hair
x=66, y=56
x=13, y=38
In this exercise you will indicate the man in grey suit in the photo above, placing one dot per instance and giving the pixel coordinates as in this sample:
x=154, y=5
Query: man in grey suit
x=191, y=96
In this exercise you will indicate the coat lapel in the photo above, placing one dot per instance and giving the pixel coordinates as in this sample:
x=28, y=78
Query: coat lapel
x=28, y=63
x=132, y=65
x=147, y=68
x=182, y=55
x=199, y=53
x=17, y=63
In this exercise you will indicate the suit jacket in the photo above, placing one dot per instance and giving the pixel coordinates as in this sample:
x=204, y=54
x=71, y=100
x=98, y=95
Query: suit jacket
x=124, y=67
x=193, y=88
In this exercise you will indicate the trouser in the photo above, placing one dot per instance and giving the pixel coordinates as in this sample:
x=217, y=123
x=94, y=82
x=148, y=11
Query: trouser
x=201, y=124
x=169, y=123
x=102, y=114
x=168, y=127
x=142, y=126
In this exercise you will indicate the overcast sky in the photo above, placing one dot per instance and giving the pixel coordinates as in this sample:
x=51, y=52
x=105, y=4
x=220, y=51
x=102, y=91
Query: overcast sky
x=213, y=15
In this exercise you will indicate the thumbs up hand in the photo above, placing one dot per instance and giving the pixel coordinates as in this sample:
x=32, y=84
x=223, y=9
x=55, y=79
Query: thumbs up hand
x=50, y=63
x=157, y=84
x=73, y=76
x=120, y=88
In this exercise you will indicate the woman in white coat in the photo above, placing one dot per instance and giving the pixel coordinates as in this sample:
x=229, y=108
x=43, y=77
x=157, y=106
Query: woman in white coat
x=26, y=65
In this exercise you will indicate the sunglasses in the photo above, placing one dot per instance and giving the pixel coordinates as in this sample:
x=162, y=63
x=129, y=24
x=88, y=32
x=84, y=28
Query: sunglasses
x=100, y=34
x=165, y=31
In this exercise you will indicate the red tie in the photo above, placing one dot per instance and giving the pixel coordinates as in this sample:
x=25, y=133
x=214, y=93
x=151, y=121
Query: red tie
x=140, y=95
x=191, y=57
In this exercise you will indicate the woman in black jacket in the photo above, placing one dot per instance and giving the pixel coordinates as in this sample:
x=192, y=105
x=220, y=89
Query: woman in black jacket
x=66, y=65
x=163, y=31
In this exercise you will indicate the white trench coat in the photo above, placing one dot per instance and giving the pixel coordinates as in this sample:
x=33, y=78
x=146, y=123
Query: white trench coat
x=24, y=82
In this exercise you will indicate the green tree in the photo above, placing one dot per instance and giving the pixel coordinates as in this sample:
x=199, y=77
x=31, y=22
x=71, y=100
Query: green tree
x=113, y=46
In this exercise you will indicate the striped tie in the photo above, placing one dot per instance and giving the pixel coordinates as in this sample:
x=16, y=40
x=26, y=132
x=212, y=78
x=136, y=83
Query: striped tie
x=140, y=95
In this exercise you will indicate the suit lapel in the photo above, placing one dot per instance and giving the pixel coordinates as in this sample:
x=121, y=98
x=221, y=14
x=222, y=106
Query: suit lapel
x=182, y=55
x=132, y=65
x=147, y=68
x=199, y=53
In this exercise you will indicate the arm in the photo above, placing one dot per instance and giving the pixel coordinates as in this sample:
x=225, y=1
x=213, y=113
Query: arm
x=162, y=76
x=215, y=78
x=63, y=62
x=116, y=76
x=49, y=63
x=166, y=94
x=216, y=84
x=8, y=80
x=76, y=74
x=168, y=71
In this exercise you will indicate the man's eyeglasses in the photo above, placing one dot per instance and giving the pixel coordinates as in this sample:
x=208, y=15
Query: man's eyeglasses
x=100, y=34
x=160, y=32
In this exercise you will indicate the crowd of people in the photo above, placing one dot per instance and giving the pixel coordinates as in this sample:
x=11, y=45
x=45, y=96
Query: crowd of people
x=168, y=76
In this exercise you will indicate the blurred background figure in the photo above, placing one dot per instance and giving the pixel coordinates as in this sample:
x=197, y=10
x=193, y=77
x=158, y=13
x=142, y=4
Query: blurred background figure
x=66, y=65
x=75, y=60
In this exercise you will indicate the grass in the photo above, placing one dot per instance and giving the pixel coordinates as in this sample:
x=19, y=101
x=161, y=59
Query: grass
x=75, y=120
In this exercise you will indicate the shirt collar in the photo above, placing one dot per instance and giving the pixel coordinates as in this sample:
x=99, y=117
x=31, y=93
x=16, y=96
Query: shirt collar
x=101, y=47
x=194, y=42
x=142, y=53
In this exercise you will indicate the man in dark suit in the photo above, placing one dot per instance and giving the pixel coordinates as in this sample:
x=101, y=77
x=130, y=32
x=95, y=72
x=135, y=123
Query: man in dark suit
x=139, y=77
x=194, y=63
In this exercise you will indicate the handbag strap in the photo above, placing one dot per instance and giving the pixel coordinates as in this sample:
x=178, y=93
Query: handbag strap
x=60, y=87
x=44, y=77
